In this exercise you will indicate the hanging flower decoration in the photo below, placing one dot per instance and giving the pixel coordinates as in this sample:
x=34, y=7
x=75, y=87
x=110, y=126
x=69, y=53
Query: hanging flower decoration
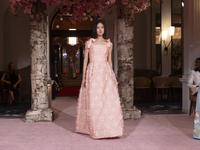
x=139, y=5
x=79, y=10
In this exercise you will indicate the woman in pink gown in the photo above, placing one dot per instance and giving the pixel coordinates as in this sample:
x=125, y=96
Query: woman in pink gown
x=99, y=112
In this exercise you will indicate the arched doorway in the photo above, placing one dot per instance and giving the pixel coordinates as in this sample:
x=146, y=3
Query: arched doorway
x=61, y=31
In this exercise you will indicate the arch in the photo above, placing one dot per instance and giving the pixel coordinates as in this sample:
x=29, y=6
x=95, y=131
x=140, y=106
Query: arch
x=5, y=7
x=109, y=22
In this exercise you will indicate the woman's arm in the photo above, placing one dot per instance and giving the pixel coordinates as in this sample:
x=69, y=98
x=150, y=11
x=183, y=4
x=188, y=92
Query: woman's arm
x=191, y=80
x=110, y=54
x=194, y=88
x=3, y=79
x=85, y=63
x=19, y=79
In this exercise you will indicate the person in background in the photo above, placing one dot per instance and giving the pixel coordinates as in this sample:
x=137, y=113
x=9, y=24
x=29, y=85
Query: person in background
x=193, y=84
x=194, y=78
x=12, y=79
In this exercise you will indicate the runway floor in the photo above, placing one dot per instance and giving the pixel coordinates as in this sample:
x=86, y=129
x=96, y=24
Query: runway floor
x=152, y=132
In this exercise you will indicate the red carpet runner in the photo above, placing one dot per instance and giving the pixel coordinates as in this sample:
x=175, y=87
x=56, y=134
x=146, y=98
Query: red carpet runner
x=69, y=90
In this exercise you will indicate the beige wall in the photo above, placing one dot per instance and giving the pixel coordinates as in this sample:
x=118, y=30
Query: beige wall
x=3, y=6
x=13, y=48
x=142, y=40
x=16, y=39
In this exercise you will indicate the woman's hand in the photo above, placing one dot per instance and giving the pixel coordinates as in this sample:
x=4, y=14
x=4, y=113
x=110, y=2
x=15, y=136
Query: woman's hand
x=84, y=83
x=8, y=82
x=15, y=86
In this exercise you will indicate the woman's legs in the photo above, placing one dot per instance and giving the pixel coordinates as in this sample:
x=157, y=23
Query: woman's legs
x=12, y=98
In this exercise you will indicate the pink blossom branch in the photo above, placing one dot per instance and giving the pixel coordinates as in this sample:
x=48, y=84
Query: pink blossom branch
x=79, y=9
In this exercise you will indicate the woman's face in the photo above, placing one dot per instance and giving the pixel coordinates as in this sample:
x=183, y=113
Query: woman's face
x=197, y=63
x=100, y=29
x=12, y=66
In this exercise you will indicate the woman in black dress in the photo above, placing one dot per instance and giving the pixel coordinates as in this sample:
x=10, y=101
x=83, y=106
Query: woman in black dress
x=12, y=78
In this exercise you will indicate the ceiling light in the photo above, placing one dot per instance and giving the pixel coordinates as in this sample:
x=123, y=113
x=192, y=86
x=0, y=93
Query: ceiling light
x=72, y=29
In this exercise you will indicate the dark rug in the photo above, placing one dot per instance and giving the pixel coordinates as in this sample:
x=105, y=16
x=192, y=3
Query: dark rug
x=160, y=107
x=17, y=110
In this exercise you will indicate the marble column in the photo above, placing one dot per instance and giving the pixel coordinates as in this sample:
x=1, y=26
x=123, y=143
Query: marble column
x=125, y=37
x=40, y=110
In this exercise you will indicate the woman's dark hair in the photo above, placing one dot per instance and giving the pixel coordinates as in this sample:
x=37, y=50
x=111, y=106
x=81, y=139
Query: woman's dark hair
x=10, y=71
x=197, y=69
x=198, y=59
x=94, y=33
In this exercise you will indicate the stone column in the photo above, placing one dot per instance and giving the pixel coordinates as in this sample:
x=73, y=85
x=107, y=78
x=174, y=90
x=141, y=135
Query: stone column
x=125, y=30
x=40, y=110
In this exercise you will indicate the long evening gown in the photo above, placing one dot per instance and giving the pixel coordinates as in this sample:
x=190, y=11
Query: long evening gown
x=196, y=131
x=99, y=112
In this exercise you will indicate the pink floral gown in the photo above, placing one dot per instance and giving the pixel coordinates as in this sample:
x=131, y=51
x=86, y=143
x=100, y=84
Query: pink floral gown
x=99, y=112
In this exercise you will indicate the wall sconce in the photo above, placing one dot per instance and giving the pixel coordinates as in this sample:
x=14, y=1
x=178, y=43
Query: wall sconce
x=182, y=4
x=164, y=37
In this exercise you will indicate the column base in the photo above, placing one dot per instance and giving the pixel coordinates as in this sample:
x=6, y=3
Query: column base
x=39, y=115
x=132, y=114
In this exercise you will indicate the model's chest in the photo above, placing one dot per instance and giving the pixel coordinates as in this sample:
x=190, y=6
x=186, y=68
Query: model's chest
x=98, y=50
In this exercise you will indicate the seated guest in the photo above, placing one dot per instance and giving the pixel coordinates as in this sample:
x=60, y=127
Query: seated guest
x=193, y=84
x=194, y=78
x=12, y=78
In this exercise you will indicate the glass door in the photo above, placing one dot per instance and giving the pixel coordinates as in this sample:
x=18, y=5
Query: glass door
x=74, y=52
x=66, y=60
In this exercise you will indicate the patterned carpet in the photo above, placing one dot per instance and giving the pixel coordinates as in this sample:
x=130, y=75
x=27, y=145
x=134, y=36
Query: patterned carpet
x=160, y=107
x=18, y=110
